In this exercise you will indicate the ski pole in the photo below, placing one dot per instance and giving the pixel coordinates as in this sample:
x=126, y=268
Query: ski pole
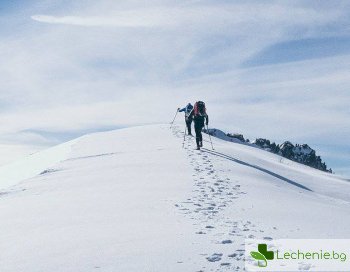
x=210, y=138
x=174, y=118
x=183, y=143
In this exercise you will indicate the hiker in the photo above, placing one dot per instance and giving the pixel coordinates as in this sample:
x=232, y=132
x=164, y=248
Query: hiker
x=199, y=113
x=188, y=109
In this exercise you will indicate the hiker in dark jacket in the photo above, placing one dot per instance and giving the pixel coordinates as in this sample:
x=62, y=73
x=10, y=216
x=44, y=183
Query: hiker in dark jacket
x=188, y=109
x=199, y=116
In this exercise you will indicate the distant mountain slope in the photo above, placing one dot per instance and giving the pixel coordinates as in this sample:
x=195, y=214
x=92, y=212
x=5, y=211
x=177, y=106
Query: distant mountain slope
x=303, y=153
x=135, y=200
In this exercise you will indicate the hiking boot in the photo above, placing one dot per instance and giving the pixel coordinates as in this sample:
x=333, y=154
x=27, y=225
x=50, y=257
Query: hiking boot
x=198, y=148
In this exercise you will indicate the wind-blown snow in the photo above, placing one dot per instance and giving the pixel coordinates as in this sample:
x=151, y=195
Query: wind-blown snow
x=135, y=200
x=33, y=165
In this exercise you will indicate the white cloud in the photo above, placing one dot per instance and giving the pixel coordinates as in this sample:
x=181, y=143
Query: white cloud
x=120, y=20
x=137, y=61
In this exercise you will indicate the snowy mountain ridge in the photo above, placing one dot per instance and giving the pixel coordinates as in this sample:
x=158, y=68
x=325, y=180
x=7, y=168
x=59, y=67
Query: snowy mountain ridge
x=301, y=153
x=141, y=199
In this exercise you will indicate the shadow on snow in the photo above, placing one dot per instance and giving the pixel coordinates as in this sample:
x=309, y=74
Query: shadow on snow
x=215, y=153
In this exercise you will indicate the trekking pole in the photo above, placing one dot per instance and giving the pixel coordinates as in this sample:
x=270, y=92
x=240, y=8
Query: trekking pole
x=174, y=118
x=210, y=138
x=183, y=143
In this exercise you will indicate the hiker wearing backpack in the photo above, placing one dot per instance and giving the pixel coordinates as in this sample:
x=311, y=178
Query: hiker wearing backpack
x=188, y=109
x=199, y=116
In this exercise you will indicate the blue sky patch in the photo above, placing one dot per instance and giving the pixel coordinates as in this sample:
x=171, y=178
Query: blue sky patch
x=298, y=50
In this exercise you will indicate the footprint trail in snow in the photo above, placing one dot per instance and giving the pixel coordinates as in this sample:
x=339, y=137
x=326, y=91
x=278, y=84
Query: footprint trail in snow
x=213, y=192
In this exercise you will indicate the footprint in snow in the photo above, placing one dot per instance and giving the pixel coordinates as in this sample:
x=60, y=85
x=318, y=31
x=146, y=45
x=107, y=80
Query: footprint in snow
x=305, y=266
x=233, y=255
x=268, y=238
x=215, y=257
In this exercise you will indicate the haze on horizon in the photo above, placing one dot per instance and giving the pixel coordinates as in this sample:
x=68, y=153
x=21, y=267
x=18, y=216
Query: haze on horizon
x=277, y=69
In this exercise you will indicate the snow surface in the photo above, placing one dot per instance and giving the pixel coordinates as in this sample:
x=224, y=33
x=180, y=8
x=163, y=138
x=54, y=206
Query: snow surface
x=135, y=200
x=33, y=165
x=13, y=152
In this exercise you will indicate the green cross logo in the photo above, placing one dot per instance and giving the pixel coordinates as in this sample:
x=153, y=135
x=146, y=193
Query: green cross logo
x=262, y=255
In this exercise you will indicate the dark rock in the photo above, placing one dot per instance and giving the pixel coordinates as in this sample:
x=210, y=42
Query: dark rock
x=236, y=136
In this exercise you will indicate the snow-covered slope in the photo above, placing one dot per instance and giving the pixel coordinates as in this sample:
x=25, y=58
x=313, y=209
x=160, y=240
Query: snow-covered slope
x=135, y=200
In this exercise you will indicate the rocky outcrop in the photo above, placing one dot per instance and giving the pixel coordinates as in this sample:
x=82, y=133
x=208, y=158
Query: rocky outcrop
x=299, y=153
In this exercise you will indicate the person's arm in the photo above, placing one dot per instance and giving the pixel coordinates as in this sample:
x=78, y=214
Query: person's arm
x=207, y=119
x=191, y=115
x=181, y=109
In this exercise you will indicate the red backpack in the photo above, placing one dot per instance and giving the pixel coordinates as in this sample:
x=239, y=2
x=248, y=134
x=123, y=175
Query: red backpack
x=199, y=109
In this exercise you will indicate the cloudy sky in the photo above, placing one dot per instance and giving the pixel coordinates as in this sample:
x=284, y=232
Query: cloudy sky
x=274, y=69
